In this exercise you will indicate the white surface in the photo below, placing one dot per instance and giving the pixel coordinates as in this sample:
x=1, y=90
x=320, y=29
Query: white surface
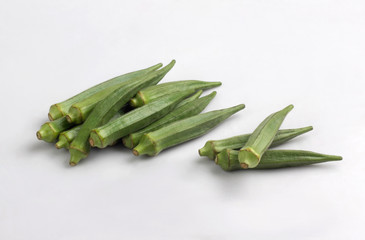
x=268, y=54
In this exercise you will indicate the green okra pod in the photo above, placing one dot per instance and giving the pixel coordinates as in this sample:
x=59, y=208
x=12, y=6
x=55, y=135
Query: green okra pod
x=59, y=110
x=107, y=107
x=183, y=110
x=213, y=147
x=50, y=130
x=228, y=159
x=181, y=131
x=154, y=92
x=135, y=120
x=260, y=140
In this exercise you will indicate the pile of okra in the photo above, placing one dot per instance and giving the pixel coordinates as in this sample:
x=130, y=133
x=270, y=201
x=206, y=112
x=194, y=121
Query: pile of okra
x=149, y=117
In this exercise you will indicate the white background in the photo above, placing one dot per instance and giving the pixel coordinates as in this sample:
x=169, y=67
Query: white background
x=268, y=54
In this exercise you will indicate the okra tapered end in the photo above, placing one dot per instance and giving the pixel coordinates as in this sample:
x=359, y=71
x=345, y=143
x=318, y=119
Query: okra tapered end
x=248, y=158
x=55, y=112
x=95, y=140
x=145, y=146
x=76, y=156
x=47, y=133
x=208, y=150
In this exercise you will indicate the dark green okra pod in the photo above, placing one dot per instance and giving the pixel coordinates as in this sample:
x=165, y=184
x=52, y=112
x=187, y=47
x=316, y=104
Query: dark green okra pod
x=106, y=108
x=213, y=147
x=260, y=140
x=228, y=159
x=59, y=110
x=50, y=130
x=187, y=109
x=154, y=92
x=181, y=131
x=135, y=120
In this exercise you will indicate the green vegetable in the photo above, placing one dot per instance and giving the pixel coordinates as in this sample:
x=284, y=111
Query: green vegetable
x=186, y=109
x=228, y=159
x=154, y=92
x=260, y=140
x=50, y=130
x=59, y=110
x=213, y=147
x=106, y=108
x=135, y=120
x=181, y=131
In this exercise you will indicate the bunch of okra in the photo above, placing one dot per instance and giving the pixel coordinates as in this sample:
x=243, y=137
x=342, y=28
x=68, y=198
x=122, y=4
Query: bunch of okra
x=163, y=115
x=150, y=117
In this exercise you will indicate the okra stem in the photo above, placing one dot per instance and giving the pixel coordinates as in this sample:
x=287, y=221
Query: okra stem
x=50, y=130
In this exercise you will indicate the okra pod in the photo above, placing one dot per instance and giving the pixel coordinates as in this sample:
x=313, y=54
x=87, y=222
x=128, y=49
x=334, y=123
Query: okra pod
x=228, y=159
x=107, y=107
x=59, y=110
x=50, y=130
x=213, y=147
x=181, y=131
x=154, y=92
x=260, y=140
x=135, y=120
x=187, y=109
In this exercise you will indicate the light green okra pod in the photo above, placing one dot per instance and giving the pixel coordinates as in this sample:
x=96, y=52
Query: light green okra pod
x=108, y=107
x=228, y=159
x=188, y=109
x=59, y=110
x=135, y=120
x=260, y=140
x=50, y=130
x=181, y=131
x=154, y=92
x=213, y=147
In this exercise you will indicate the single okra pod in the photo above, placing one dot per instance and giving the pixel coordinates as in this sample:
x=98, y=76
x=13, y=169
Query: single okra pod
x=65, y=138
x=59, y=110
x=260, y=140
x=181, y=131
x=228, y=159
x=154, y=92
x=213, y=147
x=50, y=130
x=135, y=120
x=188, y=109
x=107, y=107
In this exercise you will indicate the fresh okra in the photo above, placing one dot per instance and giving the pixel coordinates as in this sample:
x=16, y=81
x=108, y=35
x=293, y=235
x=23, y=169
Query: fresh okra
x=260, y=140
x=135, y=120
x=181, y=131
x=154, y=92
x=50, y=130
x=183, y=110
x=110, y=105
x=228, y=159
x=59, y=110
x=213, y=147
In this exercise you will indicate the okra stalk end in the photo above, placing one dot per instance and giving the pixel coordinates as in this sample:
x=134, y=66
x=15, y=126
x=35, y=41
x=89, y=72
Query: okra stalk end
x=248, y=158
x=74, y=115
x=62, y=143
x=146, y=146
x=208, y=150
x=76, y=156
x=95, y=139
x=128, y=141
x=54, y=112
x=138, y=100
x=222, y=159
x=47, y=133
